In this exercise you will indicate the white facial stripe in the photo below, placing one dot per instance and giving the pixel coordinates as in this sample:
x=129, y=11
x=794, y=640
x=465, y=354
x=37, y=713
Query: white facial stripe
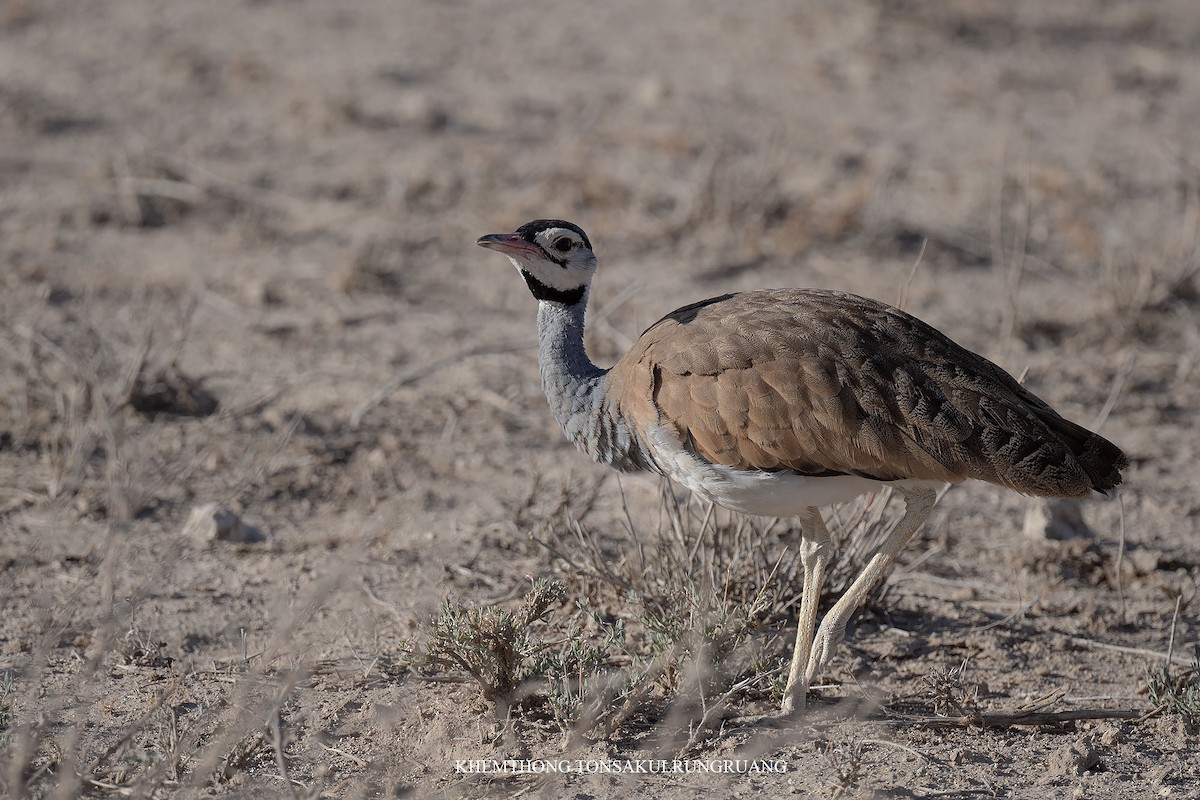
x=554, y=276
x=548, y=237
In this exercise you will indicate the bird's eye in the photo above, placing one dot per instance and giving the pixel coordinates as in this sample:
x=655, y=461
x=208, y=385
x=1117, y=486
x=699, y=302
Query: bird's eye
x=563, y=244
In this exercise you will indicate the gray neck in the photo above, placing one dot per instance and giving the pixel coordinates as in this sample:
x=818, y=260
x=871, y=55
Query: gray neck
x=576, y=389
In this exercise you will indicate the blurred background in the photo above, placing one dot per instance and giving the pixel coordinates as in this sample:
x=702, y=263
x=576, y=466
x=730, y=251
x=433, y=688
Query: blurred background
x=237, y=268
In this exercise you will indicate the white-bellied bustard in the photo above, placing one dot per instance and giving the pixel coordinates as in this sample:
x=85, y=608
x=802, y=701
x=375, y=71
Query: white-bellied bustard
x=779, y=401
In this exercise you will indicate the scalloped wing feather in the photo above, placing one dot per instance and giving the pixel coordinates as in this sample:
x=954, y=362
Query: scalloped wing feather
x=822, y=382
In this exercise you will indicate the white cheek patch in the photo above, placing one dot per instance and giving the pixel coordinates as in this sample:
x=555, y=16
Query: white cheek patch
x=556, y=277
x=550, y=274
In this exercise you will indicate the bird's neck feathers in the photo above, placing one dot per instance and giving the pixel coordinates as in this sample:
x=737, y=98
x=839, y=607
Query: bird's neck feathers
x=576, y=389
x=566, y=369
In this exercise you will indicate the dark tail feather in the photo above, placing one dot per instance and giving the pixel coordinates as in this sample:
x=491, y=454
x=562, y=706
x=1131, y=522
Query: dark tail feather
x=1100, y=459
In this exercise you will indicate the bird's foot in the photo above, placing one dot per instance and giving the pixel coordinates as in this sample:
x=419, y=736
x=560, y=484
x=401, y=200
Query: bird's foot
x=825, y=642
x=789, y=712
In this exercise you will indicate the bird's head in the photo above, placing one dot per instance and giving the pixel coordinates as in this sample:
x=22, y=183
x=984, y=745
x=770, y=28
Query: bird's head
x=554, y=256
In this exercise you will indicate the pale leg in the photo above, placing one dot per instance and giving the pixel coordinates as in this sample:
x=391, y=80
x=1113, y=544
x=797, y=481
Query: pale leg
x=815, y=546
x=918, y=505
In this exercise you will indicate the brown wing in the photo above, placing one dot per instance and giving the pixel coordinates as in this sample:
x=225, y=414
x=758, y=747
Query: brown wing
x=822, y=382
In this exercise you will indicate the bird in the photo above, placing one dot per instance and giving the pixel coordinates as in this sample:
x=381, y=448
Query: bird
x=777, y=402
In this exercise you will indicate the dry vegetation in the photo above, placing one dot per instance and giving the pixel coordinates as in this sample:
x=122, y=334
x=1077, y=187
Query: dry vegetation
x=282, y=512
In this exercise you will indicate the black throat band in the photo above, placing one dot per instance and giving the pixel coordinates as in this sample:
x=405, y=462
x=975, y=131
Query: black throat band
x=568, y=297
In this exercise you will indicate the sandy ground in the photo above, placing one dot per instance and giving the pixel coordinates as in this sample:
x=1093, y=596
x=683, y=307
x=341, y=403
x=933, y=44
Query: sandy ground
x=237, y=267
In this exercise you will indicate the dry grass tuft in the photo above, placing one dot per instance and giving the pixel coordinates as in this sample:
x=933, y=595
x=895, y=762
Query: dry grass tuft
x=168, y=390
x=137, y=650
x=948, y=691
x=1177, y=694
x=846, y=762
x=492, y=645
x=7, y=689
x=680, y=623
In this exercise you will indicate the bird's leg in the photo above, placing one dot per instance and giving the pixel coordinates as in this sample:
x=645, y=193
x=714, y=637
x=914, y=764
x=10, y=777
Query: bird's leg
x=815, y=545
x=918, y=505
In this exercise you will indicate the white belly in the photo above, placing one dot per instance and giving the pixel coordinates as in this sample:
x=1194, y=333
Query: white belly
x=765, y=494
